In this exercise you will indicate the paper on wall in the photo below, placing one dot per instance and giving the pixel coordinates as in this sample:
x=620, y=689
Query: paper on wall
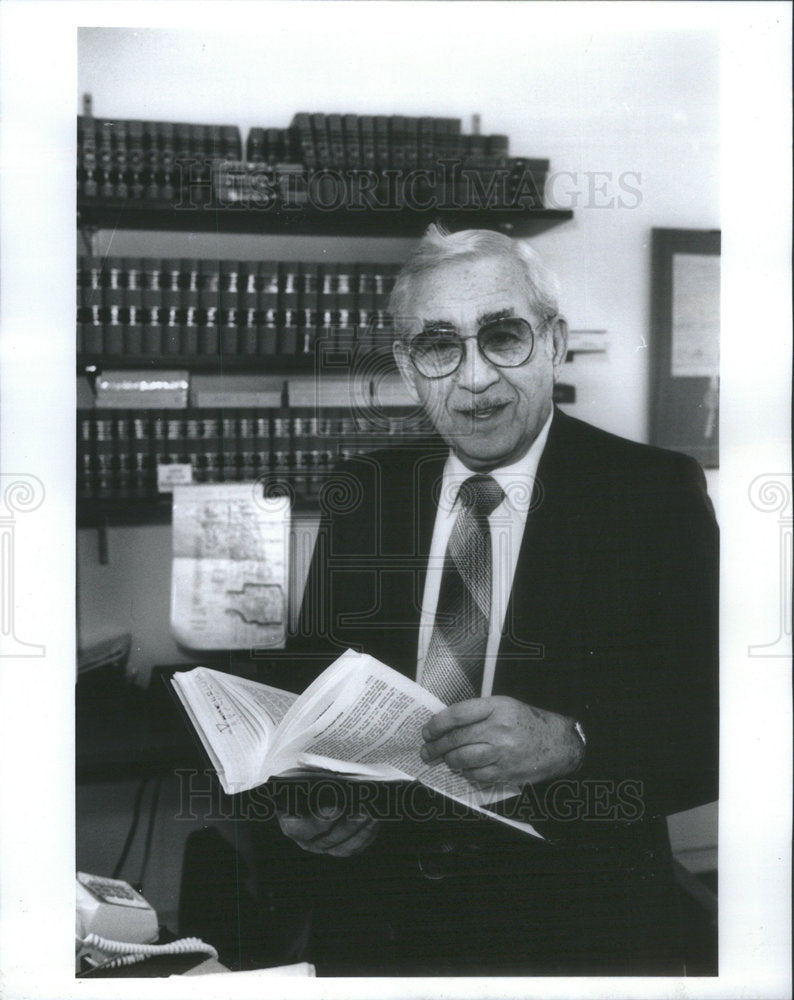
x=229, y=573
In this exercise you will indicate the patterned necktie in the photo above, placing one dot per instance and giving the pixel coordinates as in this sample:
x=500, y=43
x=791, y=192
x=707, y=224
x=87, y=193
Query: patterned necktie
x=453, y=666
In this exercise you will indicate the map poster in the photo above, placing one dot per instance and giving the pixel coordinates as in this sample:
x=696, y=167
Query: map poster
x=230, y=567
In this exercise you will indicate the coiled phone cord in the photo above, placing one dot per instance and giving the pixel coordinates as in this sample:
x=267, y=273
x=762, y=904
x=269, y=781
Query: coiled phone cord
x=128, y=953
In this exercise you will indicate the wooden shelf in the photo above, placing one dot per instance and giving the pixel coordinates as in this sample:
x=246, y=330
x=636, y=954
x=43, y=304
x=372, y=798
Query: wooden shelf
x=306, y=220
x=131, y=512
x=212, y=364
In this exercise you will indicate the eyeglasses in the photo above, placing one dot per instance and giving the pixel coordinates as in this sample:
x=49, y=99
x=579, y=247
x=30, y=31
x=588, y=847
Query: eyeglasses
x=506, y=343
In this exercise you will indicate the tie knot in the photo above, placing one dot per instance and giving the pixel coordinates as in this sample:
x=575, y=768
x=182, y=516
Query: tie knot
x=482, y=493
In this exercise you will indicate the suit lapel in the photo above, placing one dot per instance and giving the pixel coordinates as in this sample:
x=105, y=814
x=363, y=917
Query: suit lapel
x=560, y=532
x=409, y=502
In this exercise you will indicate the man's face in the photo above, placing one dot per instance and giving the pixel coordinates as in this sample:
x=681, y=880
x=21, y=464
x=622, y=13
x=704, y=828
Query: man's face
x=488, y=415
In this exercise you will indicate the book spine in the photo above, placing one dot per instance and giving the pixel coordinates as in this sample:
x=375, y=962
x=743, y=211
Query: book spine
x=133, y=307
x=304, y=139
x=232, y=142
x=281, y=448
x=497, y=148
x=411, y=153
x=209, y=297
x=136, y=181
x=120, y=159
x=112, y=303
x=143, y=484
x=255, y=147
x=194, y=452
x=212, y=444
x=87, y=157
x=299, y=462
x=171, y=304
x=326, y=305
x=201, y=142
x=309, y=277
x=91, y=304
x=105, y=159
x=151, y=146
x=366, y=125
x=189, y=278
x=152, y=307
x=288, y=307
x=261, y=443
x=382, y=153
x=85, y=456
x=229, y=308
x=228, y=454
x=268, y=280
x=345, y=307
x=322, y=145
x=103, y=453
x=167, y=143
x=159, y=447
x=80, y=317
x=246, y=432
x=397, y=142
x=122, y=455
x=383, y=334
x=365, y=304
x=353, y=158
x=336, y=141
x=249, y=309
x=427, y=149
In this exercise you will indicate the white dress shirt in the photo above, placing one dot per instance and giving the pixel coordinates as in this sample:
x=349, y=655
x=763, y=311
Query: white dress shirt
x=506, y=522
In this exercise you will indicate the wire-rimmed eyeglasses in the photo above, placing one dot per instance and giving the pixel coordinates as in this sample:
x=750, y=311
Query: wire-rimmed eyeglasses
x=506, y=343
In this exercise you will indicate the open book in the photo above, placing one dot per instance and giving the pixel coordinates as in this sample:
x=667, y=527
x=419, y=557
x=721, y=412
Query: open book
x=358, y=719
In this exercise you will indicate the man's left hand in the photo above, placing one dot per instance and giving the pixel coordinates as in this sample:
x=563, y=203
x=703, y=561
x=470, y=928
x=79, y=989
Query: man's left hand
x=499, y=739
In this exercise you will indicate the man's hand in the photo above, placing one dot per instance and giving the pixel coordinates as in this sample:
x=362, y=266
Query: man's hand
x=330, y=831
x=500, y=739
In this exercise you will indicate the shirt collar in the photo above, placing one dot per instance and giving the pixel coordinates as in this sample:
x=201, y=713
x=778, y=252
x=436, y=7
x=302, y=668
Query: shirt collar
x=516, y=479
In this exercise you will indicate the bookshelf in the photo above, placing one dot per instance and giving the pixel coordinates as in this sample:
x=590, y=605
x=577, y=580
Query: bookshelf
x=117, y=213
x=208, y=317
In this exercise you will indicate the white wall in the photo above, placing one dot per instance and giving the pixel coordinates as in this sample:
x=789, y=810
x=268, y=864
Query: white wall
x=637, y=111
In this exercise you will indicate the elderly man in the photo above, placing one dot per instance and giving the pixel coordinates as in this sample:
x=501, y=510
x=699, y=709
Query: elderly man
x=555, y=585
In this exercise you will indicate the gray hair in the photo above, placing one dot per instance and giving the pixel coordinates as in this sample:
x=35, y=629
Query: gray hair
x=438, y=246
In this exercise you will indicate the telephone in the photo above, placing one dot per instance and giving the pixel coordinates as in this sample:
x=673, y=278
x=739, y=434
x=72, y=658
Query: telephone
x=116, y=926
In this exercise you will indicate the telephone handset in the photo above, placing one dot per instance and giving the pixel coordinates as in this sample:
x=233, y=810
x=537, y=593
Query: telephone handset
x=115, y=926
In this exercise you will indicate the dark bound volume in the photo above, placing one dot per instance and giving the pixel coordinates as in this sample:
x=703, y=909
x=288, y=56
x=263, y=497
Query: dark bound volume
x=268, y=278
x=289, y=305
x=336, y=140
x=209, y=307
x=382, y=152
x=352, y=142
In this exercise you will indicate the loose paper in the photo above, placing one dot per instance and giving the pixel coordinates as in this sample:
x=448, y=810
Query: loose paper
x=696, y=316
x=230, y=566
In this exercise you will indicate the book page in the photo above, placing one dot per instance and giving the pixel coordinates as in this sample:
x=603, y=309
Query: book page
x=230, y=722
x=362, y=717
x=230, y=567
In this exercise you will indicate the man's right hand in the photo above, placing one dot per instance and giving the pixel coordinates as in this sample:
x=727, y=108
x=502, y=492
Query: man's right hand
x=330, y=831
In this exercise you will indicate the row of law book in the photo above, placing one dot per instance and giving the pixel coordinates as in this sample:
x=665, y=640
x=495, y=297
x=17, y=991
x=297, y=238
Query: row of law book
x=375, y=142
x=173, y=162
x=450, y=183
x=188, y=308
x=118, y=158
x=120, y=452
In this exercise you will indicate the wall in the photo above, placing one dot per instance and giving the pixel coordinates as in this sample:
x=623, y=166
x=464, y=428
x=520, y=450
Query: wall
x=629, y=120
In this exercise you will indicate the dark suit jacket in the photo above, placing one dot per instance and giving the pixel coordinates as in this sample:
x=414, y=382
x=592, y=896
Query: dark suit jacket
x=612, y=620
